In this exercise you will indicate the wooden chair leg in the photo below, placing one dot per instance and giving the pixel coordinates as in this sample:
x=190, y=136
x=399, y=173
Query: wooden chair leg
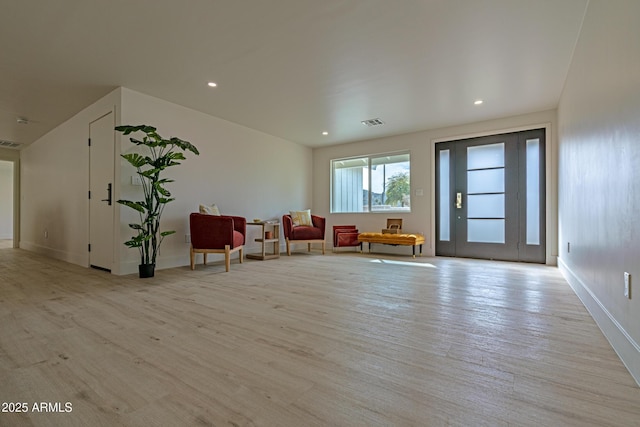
x=241, y=256
x=192, y=258
x=227, y=257
x=322, y=247
x=288, y=247
x=204, y=255
x=308, y=247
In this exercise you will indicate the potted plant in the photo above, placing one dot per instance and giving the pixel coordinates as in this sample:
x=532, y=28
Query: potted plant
x=162, y=153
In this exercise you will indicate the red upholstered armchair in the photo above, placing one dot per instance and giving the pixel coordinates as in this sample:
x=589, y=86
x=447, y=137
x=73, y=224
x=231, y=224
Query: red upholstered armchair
x=302, y=233
x=345, y=235
x=217, y=234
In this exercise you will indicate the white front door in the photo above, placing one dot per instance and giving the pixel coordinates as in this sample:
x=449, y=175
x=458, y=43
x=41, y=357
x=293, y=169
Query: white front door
x=101, y=203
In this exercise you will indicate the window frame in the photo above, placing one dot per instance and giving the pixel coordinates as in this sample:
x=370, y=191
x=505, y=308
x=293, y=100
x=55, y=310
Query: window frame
x=369, y=161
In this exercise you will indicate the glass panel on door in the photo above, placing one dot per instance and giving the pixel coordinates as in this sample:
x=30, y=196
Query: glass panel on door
x=485, y=206
x=445, y=201
x=486, y=193
x=533, y=191
x=485, y=156
x=485, y=181
x=485, y=230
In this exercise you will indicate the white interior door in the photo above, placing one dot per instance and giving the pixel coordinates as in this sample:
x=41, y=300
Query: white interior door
x=101, y=203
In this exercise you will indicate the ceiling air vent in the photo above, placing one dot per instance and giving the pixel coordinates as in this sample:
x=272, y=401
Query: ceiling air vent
x=372, y=122
x=9, y=144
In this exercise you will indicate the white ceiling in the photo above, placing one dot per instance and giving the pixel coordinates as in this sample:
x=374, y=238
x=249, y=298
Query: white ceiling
x=290, y=68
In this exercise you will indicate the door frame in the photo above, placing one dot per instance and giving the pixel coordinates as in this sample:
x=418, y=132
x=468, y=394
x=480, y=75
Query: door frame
x=114, y=193
x=551, y=196
x=458, y=245
x=9, y=156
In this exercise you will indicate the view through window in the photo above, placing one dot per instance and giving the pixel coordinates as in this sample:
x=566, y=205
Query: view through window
x=379, y=183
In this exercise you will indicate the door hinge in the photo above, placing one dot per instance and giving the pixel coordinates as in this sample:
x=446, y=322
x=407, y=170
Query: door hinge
x=89, y=247
x=89, y=141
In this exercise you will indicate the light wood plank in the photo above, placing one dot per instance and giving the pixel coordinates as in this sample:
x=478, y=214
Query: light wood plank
x=336, y=340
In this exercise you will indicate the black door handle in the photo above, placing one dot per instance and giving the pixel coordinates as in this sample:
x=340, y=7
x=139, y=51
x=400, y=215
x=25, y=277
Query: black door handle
x=108, y=199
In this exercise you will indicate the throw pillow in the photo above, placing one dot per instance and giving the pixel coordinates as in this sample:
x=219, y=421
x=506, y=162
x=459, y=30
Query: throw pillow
x=301, y=217
x=210, y=210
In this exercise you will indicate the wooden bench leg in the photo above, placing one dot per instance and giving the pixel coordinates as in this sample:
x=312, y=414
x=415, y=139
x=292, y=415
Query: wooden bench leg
x=413, y=247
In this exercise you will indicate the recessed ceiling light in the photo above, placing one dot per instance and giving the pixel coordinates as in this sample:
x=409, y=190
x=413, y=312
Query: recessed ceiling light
x=212, y=84
x=478, y=102
x=325, y=133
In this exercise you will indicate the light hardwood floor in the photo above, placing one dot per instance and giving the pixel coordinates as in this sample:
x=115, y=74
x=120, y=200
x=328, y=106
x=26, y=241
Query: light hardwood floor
x=308, y=340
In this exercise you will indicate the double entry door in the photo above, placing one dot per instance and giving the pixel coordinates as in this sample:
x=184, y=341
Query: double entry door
x=490, y=197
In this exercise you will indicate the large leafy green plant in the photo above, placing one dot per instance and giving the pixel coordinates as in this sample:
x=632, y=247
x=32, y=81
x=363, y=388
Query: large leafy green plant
x=162, y=153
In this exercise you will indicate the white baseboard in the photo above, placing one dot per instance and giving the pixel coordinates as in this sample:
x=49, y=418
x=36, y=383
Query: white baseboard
x=131, y=267
x=623, y=344
x=78, y=259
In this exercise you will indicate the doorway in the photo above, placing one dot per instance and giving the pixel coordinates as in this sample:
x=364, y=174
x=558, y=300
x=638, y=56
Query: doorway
x=101, y=204
x=6, y=204
x=490, y=197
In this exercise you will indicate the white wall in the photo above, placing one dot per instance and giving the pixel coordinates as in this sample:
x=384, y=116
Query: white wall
x=243, y=171
x=599, y=179
x=422, y=147
x=55, y=183
x=6, y=199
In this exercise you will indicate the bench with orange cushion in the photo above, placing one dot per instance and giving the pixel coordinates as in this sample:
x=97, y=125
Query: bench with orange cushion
x=393, y=239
